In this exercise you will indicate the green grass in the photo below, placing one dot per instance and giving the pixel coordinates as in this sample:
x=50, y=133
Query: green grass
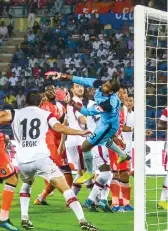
x=57, y=217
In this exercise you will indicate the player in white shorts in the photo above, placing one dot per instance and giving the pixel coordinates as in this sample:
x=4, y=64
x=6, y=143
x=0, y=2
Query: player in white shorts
x=73, y=143
x=163, y=125
x=129, y=123
x=101, y=162
x=30, y=126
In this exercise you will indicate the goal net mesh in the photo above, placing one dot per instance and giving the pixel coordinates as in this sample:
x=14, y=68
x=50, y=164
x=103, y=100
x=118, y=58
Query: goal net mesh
x=156, y=101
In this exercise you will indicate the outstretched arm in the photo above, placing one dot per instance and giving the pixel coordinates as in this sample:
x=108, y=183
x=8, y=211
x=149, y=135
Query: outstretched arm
x=57, y=127
x=86, y=82
x=95, y=110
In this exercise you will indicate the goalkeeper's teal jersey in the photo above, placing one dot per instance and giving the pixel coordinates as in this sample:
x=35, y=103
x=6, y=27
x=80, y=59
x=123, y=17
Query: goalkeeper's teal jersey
x=110, y=117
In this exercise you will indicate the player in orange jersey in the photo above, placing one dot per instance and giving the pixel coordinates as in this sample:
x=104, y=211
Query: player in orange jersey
x=7, y=174
x=120, y=183
x=53, y=140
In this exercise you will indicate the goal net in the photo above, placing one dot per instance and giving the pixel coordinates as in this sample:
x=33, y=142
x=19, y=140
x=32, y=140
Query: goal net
x=151, y=85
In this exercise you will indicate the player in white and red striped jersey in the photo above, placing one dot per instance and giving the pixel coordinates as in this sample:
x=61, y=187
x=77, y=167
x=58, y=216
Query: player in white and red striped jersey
x=73, y=143
x=30, y=126
x=101, y=162
x=163, y=125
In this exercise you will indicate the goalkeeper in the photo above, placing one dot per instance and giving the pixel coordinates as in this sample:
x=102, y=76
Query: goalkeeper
x=108, y=106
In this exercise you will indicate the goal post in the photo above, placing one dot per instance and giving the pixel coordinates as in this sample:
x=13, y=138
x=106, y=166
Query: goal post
x=141, y=15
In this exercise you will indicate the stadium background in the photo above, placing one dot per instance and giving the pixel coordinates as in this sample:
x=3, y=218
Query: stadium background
x=66, y=38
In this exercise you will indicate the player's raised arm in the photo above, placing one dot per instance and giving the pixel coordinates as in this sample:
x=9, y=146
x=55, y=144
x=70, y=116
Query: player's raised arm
x=5, y=116
x=86, y=82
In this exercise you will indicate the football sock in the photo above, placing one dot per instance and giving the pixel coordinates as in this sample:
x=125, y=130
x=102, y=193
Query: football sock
x=74, y=204
x=25, y=193
x=99, y=184
x=89, y=185
x=115, y=192
x=76, y=187
x=106, y=189
x=7, y=198
x=88, y=158
x=126, y=193
x=111, y=145
x=164, y=193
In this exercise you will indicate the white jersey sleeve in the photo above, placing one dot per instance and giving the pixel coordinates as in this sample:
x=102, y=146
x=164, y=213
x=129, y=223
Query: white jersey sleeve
x=52, y=120
x=164, y=115
x=30, y=126
x=127, y=136
x=73, y=122
x=92, y=120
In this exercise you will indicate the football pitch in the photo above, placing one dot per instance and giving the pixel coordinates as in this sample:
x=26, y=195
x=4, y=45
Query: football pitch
x=56, y=217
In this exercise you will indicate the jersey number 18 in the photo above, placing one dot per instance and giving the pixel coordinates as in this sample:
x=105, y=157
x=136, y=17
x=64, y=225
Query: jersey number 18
x=34, y=128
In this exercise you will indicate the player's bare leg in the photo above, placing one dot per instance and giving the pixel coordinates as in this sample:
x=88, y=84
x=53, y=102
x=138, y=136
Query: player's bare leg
x=7, y=198
x=72, y=201
x=125, y=190
x=41, y=199
x=88, y=157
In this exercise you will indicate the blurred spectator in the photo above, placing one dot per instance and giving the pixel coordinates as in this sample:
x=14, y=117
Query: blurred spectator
x=58, y=5
x=128, y=72
x=20, y=98
x=3, y=30
x=51, y=60
x=24, y=4
x=10, y=99
x=32, y=61
x=32, y=13
x=130, y=89
x=111, y=69
x=45, y=19
x=150, y=90
x=12, y=81
x=25, y=46
x=16, y=70
x=36, y=27
x=118, y=35
x=60, y=63
x=3, y=82
x=31, y=38
x=131, y=43
x=1, y=7
x=10, y=25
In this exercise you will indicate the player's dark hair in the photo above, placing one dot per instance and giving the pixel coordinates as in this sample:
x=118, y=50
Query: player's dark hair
x=47, y=85
x=115, y=85
x=33, y=98
x=130, y=95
